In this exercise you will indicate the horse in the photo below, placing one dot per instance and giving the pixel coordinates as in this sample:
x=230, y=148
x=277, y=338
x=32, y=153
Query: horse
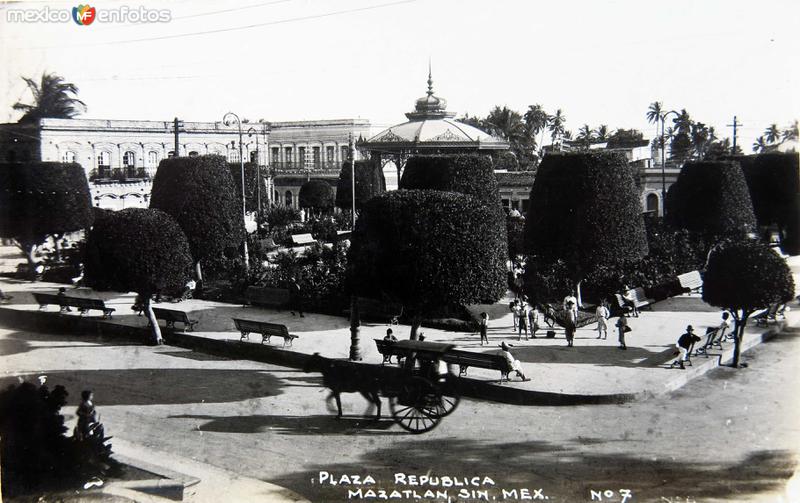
x=345, y=377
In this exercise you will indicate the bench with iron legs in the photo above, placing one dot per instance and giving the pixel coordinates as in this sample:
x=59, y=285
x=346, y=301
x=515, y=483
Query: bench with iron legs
x=265, y=329
x=467, y=359
x=714, y=339
x=772, y=314
x=267, y=296
x=82, y=304
x=637, y=298
x=385, y=348
x=691, y=281
x=171, y=316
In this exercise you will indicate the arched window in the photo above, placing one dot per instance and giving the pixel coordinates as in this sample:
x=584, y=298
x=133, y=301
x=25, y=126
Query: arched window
x=652, y=204
x=103, y=164
x=288, y=198
x=69, y=156
x=129, y=159
x=234, y=155
x=253, y=157
x=152, y=159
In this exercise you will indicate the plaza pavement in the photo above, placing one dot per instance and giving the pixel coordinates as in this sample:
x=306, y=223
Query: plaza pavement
x=591, y=368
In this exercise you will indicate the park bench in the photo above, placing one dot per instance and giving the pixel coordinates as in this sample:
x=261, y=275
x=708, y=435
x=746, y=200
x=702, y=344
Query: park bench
x=302, y=239
x=266, y=296
x=691, y=281
x=467, y=359
x=342, y=235
x=265, y=328
x=387, y=350
x=83, y=304
x=171, y=316
x=772, y=314
x=713, y=340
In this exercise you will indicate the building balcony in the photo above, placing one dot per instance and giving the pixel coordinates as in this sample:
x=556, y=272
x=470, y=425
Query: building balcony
x=105, y=174
x=310, y=166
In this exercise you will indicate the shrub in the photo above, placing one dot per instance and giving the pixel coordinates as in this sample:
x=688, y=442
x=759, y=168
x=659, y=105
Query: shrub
x=711, y=197
x=42, y=199
x=139, y=250
x=369, y=183
x=281, y=216
x=316, y=194
x=585, y=211
x=515, y=231
x=773, y=180
x=426, y=249
x=198, y=192
x=743, y=278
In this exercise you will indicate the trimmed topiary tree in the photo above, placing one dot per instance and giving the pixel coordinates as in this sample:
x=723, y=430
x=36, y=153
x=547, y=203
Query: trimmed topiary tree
x=468, y=174
x=744, y=278
x=585, y=211
x=42, y=199
x=200, y=194
x=773, y=180
x=369, y=183
x=427, y=249
x=711, y=197
x=316, y=195
x=138, y=250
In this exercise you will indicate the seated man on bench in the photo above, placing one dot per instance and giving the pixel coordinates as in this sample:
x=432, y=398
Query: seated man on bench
x=513, y=363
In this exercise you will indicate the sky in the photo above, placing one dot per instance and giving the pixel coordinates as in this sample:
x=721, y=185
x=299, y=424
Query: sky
x=600, y=62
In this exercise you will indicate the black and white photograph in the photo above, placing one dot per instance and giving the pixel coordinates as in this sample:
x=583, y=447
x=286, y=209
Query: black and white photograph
x=399, y=250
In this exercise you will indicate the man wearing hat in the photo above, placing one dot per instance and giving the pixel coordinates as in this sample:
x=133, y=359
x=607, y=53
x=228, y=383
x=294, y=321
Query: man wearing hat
x=513, y=363
x=685, y=343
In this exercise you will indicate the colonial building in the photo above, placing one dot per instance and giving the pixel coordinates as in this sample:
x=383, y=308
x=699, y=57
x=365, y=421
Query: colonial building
x=121, y=156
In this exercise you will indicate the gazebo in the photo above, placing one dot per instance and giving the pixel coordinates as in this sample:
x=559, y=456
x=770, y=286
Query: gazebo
x=430, y=130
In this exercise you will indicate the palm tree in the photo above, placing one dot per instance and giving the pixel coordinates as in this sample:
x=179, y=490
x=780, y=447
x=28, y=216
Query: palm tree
x=556, y=125
x=772, y=134
x=760, y=145
x=654, y=113
x=601, y=133
x=791, y=133
x=683, y=122
x=536, y=118
x=52, y=97
x=585, y=137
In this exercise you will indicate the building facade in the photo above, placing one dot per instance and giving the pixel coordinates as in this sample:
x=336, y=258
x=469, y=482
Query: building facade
x=121, y=157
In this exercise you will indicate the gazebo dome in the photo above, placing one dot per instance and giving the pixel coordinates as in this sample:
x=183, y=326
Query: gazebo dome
x=431, y=126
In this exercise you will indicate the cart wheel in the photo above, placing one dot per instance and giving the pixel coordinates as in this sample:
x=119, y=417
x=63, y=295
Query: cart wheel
x=447, y=404
x=415, y=407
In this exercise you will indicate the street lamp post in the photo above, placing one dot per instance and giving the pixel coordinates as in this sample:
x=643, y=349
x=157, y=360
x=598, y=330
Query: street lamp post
x=355, y=316
x=250, y=133
x=228, y=119
x=663, y=117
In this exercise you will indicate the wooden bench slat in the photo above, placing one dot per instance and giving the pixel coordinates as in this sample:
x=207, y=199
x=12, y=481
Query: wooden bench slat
x=172, y=315
x=81, y=303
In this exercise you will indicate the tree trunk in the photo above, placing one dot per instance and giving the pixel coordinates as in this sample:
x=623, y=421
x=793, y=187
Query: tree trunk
x=199, y=272
x=30, y=254
x=737, y=340
x=578, y=293
x=416, y=322
x=151, y=317
x=57, y=245
x=355, y=330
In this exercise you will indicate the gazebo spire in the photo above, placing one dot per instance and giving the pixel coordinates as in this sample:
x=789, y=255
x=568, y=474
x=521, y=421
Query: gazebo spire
x=430, y=79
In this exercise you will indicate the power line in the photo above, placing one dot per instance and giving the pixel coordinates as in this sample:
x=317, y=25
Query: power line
x=233, y=28
x=232, y=9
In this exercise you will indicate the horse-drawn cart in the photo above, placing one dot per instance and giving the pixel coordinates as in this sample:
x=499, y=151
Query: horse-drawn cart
x=420, y=395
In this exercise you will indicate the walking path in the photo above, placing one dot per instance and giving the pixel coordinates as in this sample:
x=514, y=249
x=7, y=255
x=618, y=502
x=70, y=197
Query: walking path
x=592, y=368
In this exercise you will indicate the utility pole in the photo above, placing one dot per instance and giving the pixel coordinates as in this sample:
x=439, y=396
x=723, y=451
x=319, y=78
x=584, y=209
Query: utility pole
x=352, y=156
x=177, y=126
x=735, y=125
x=355, y=316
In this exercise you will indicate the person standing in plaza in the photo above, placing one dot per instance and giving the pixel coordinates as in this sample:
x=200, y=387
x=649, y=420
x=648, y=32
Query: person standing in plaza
x=570, y=322
x=623, y=328
x=602, y=314
x=295, y=296
x=522, y=320
x=533, y=320
x=571, y=299
x=514, y=306
x=484, y=328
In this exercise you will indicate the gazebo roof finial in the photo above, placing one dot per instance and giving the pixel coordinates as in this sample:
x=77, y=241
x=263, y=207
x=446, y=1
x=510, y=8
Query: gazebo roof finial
x=430, y=79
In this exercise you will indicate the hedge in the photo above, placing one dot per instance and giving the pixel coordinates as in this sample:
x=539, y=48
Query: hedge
x=316, y=194
x=426, y=249
x=200, y=194
x=369, y=183
x=711, y=197
x=585, y=210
